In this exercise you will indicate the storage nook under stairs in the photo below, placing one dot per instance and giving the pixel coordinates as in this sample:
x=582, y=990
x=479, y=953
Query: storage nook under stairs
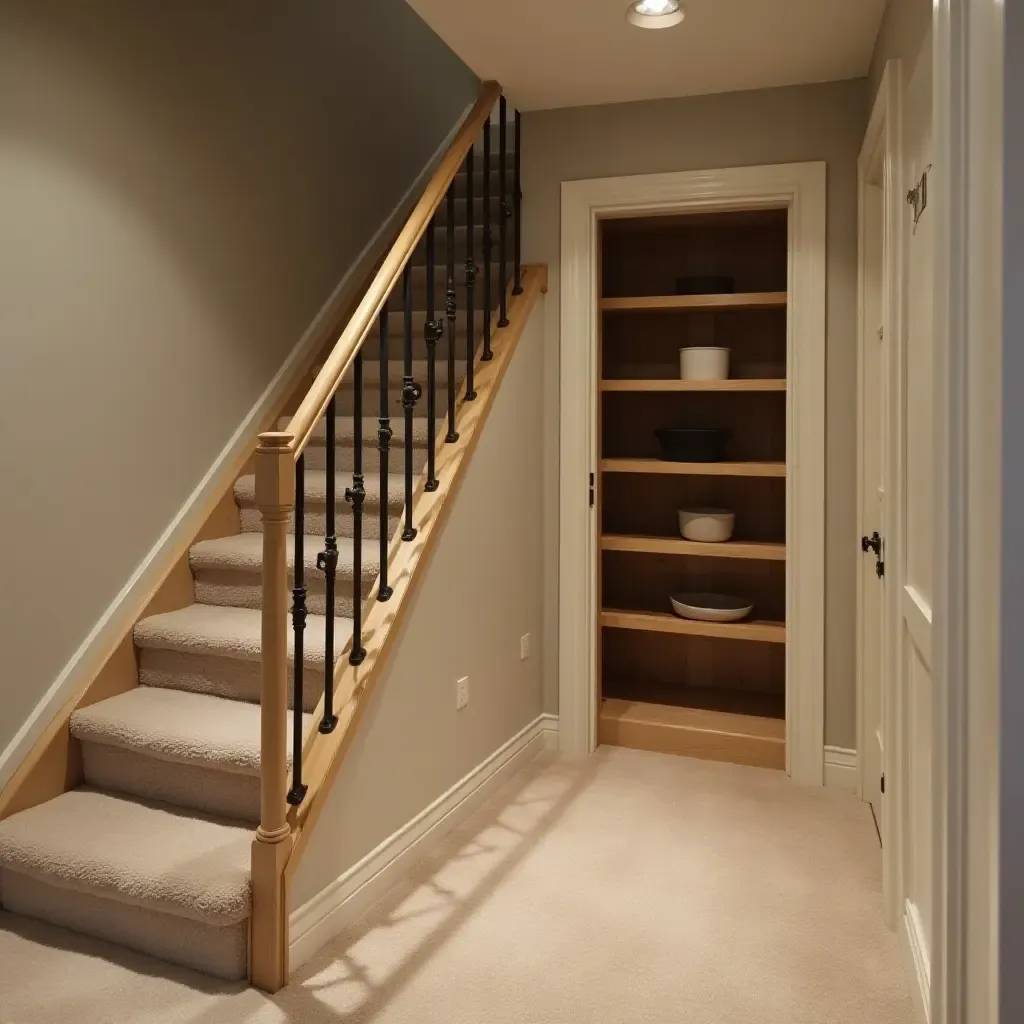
x=692, y=484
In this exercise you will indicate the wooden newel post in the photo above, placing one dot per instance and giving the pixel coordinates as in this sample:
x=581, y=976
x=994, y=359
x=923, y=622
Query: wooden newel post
x=268, y=939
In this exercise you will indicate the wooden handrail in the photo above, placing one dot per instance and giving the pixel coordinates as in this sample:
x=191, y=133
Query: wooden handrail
x=314, y=405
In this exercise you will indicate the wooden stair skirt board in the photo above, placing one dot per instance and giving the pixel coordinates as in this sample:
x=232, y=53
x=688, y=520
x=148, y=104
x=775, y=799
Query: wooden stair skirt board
x=691, y=732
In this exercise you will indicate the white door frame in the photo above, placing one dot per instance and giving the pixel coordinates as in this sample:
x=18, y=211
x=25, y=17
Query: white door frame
x=882, y=139
x=800, y=188
x=968, y=46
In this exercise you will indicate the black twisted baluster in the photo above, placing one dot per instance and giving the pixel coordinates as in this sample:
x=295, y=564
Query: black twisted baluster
x=356, y=494
x=488, y=242
x=410, y=392
x=503, y=215
x=432, y=333
x=384, y=435
x=449, y=311
x=298, y=790
x=327, y=563
x=470, y=278
x=517, y=199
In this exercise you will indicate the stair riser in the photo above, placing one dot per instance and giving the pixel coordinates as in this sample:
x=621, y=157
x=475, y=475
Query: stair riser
x=194, y=787
x=220, y=677
x=236, y=590
x=222, y=952
x=461, y=209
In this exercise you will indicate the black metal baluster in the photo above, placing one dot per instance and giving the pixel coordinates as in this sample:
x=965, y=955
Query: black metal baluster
x=298, y=790
x=449, y=311
x=432, y=333
x=410, y=392
x=503, y=216
x=327, y=563
x=517, y=199
x=470, y=278
x=384, y=435
x=356, y=494
x=488, y=242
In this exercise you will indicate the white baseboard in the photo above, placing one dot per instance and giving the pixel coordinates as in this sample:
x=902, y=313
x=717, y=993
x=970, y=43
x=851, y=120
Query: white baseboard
x=120, y=615
x=350, y=895
x=841, y=768
x=915, y=953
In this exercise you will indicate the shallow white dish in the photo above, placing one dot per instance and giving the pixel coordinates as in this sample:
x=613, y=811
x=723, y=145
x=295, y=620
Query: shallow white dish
x=708, y=525
x=711, y=607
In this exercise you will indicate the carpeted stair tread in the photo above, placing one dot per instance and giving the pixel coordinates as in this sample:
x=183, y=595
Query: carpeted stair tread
x=174, y=725
x=316, y=489
x=243, y=552
x=146, y=855
x=205, y=629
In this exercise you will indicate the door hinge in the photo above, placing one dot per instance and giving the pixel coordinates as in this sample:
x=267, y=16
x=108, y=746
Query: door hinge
x=883, y=783
x=917, y=197
x=591, y=490
x=876, y=544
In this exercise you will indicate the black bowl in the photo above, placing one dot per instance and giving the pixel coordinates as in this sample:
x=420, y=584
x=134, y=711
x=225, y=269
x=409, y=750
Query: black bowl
x=693, y=444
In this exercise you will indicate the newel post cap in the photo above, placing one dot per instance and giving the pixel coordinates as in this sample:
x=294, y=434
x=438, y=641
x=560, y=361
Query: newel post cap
x=275, y=471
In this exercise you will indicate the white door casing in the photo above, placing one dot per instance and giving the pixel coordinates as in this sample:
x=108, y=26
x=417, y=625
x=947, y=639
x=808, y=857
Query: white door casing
x=880, y=206
x=879, y=713
x=915, y=558
x=801, y=189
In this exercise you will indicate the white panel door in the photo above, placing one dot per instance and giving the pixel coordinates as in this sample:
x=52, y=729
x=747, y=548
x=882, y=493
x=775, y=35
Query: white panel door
x=917, y=500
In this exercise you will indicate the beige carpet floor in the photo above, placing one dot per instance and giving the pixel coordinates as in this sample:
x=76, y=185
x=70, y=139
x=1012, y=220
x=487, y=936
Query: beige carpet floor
x=629, y=888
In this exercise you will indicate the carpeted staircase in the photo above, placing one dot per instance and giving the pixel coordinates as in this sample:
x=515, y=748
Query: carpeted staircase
x=153, y=852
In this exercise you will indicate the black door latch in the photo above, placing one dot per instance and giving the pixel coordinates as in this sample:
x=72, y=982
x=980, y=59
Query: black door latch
x=874, y=543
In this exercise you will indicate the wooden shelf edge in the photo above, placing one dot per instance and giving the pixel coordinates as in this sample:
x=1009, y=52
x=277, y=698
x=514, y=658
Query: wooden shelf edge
x=755, y=550
x=630, y=384
x=665, y=622
x=662, y=466
x=733, y=300
x=710, y=735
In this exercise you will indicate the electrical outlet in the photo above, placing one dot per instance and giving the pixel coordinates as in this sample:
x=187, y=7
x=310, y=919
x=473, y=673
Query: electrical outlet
x=524, y=647
x=461, y=693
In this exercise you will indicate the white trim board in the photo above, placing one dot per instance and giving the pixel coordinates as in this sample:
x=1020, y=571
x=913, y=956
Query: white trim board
x=912, y=939
x=122, y=612
x=841, y=771
x=801, y=189
x=355, y=892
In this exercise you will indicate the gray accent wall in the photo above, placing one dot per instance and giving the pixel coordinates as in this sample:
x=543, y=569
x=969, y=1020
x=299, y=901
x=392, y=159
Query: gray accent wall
x=804, y=123
x=182, y=187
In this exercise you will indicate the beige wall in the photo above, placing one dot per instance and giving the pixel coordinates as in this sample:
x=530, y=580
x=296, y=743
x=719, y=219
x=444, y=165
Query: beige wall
x=480, y=594
x=902, y=31
x=183, y=186
x=818, y=122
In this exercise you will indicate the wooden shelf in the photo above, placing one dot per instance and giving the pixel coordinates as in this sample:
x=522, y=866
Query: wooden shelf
x=666, y=622
x=669, y=384
x=762, y=550
x=775, y=469
x=736, y=300
x=714, y=735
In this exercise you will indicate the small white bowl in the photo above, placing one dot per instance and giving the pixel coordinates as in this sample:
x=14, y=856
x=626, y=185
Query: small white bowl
x=711, y=607
x=708, y=525
x=703, y=363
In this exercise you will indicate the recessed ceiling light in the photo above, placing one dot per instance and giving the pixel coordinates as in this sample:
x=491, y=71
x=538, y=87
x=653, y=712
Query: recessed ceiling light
x=655, y=13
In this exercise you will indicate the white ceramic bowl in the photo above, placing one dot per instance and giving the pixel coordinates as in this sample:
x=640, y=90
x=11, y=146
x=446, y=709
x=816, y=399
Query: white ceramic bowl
x=709, y=525
x=703, y=363
x=711, y=607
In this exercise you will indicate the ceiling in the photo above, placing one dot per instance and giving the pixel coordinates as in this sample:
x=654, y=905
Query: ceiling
x=563, y=53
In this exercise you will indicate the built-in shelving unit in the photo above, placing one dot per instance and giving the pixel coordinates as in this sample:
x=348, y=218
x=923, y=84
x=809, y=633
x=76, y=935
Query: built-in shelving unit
x=703, y=689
